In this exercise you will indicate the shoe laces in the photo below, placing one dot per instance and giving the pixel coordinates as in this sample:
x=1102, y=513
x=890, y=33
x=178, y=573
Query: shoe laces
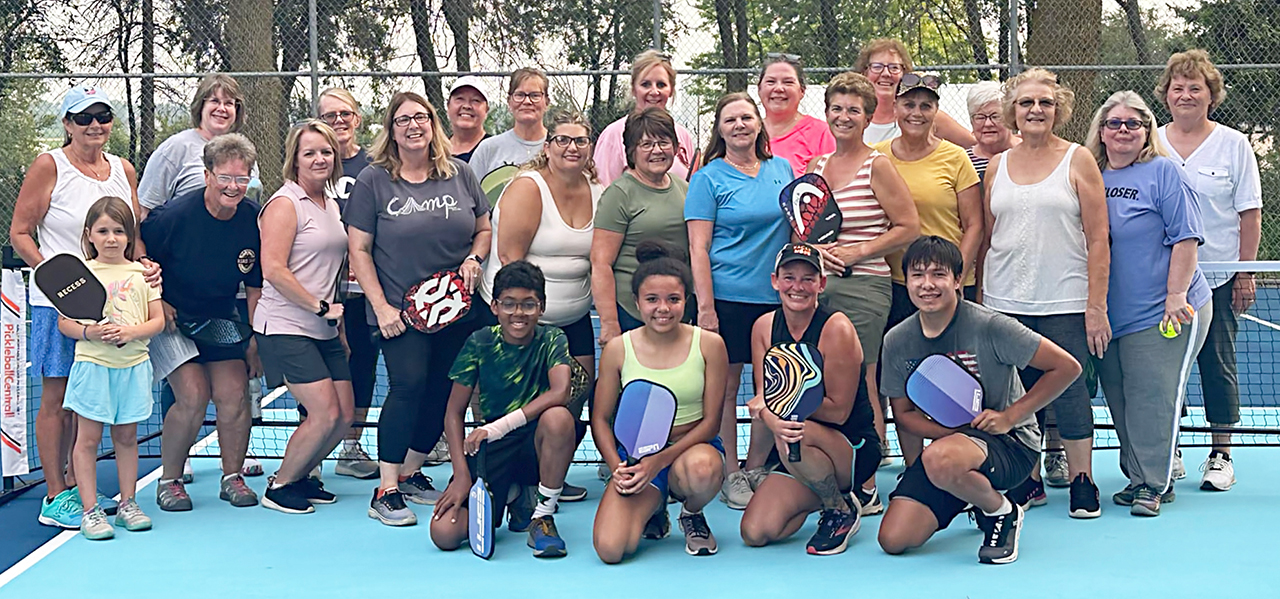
x=695, y=525
x=1214, y=463
x=1145, y=493
x=546, y=526
x=393, y=500
x=740, y=483
x=420, y=481
x=95, y=517
x=829, y=521
x=237, y=484
x=176, y=489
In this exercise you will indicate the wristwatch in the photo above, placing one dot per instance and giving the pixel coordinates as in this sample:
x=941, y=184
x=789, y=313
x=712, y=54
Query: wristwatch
x=324, y=308
x=475, y=257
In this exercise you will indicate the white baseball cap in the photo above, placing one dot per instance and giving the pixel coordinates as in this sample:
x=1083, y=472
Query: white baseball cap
x=469, y=81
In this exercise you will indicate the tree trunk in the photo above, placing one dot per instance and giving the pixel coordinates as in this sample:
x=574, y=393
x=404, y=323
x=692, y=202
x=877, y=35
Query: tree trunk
x=728, y=40
x=147, y=88
x=1002, y=44
x=457, y=13
x=1133, y=17
x=249, y=48
x=829, y=32
x=420, y=11
x=977, y=39
x=738, y=82
x=1073, y=39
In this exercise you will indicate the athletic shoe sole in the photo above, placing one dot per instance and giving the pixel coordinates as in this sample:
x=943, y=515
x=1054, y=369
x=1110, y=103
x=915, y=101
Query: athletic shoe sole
x=242, y=503
x=548, y=552
x=419, y=500
x=1137, y=509
x=267, y=503
x=579, y=494
x=705, y=551
x=342, y=470
x=1209, y=486
x=389, y=522
x=1013, y=557
x=45, y=520
x=1082, y=514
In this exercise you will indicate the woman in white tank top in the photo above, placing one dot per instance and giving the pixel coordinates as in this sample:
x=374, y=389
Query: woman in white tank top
x=54, y=200
x=1047, y=264
x=545, y=216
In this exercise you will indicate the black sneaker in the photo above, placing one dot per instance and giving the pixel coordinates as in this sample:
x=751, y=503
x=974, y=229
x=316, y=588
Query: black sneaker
x=870, y=501
x=1001, y=543
x=314, y=491
x=834, y=529
x=658, y=526
x=572, y=493
x=1028, y=494
x=1084, y=498
x=290, y=499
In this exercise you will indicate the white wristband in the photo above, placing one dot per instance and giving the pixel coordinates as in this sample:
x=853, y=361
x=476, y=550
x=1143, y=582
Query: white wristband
x=500, y=427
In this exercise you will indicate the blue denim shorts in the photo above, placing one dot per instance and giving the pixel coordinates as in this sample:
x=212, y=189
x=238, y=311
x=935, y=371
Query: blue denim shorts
x=51, y=352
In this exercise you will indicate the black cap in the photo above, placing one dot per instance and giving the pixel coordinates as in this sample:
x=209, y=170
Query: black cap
x=799, y=251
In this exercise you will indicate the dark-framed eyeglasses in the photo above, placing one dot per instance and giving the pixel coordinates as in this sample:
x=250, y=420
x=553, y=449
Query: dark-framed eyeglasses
x=84, y=118
x=520, y=97
x=333, y=117
x=1130, y=124
x=894, y=68
x=563, y=141
x=511, y=306
x=420, y=118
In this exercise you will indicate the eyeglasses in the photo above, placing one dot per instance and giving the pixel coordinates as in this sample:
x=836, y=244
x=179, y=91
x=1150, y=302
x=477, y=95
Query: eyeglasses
x=228, y=180
x=520, y=97
x=894, y=68
x=1045, y=103
x=983, y=118
x=911, y=80
x=512, y=306
x=84, y=118
x=563, y=141
x=772, y=57
x=1130, y=124
x=420, y=118
x=648, y=145
x=334, y=117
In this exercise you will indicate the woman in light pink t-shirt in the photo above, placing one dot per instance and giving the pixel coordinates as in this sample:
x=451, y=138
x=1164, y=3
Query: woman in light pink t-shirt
x=794, y=136
x=653, y=83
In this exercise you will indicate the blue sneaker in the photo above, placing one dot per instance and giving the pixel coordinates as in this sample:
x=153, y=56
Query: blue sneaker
x=108, y=505
x=545, y=539
x=63, y=511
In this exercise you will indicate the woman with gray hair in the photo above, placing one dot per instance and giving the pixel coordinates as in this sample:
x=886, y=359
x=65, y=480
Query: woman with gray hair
x=1222, y=168
x=989, y=129
x=1157, y=296
x=1045, y=212
x=208, y=241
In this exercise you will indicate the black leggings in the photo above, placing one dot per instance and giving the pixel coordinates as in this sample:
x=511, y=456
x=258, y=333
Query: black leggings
x=363, y=342
x=418, y=368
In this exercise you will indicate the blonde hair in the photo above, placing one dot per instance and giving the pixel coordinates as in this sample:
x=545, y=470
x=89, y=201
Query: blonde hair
x=343, y=96
x=562, y=119
x=1192, y=64
x=647, y=60
x=210, y=85
x=294, y=141
x=883, y=44
x=1129, y=99
x=386, y=153
x=523, y=74
x=1064, y=98
x=117, y=210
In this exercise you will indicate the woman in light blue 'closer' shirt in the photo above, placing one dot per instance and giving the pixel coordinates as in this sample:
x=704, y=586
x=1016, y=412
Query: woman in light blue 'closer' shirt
x=1155, y=282
x=736, y=227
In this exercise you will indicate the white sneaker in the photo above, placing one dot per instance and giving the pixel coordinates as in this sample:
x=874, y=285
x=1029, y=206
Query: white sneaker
x=188, y=475
x=1179, y=469
x=353, y=461
x=1219, y=473
x=736, y=491
x=439, y=454
x=251, y=467
x=885, y=459
x=1056, y=473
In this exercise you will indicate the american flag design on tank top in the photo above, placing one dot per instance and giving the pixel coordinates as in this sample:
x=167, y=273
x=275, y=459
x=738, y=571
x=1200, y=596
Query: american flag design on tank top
x=864, y=218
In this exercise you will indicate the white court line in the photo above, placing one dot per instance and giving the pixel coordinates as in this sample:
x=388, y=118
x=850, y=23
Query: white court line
x=61, y=539
x=1268, y=324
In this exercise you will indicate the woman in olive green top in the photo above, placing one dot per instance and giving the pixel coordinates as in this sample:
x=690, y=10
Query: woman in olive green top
x=644, y=203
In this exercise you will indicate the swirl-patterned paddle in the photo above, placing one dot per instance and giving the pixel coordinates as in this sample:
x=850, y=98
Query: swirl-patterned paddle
x=793, y=387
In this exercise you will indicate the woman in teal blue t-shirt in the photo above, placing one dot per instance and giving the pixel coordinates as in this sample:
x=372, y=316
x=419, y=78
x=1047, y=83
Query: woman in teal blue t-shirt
x=736, y=226
x=1155, y=282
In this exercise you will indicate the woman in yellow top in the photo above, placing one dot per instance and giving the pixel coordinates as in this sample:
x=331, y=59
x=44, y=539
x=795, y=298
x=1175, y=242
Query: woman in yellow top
x=692, y=363
x=946, y=191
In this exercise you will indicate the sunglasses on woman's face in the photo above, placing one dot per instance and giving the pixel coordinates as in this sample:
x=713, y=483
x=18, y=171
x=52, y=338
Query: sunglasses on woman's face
x=84, y=118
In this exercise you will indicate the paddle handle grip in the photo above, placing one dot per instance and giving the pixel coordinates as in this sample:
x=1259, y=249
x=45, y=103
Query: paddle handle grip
x=793, y=449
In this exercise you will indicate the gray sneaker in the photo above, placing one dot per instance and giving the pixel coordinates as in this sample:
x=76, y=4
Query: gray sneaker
x=736, y=491
x=1126, y=495
x=237, y=492
x=698, y=539
x=439, y=454
x=1056, y=473
x=603, y=472
x=94, y=525
x=390, y=509
x=354, y=462
x=418, y=489
x=756, y=476
x=1179, y=469
x=172, y=496
x=130, y=516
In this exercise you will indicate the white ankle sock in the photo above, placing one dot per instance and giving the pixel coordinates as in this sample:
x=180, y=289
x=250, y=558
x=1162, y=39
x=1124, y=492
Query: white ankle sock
x=547, y=499
x=1005, y=507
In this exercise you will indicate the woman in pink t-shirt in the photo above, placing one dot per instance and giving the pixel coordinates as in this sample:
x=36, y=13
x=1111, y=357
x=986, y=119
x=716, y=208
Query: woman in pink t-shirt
x=653, y=83
x=794, y=136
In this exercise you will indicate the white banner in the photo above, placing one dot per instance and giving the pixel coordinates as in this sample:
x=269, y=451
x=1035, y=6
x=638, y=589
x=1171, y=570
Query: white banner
x=13, y=373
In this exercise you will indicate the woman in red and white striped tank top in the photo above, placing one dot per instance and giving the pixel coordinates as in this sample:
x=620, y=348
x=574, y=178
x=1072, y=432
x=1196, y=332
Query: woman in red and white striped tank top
x=879, y=217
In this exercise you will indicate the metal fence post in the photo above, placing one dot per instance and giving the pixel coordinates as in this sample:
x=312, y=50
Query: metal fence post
x=1015, y=50
x=315, y=57
x=657, y=25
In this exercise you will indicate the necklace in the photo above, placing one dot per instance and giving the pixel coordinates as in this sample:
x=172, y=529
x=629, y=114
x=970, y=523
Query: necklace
x=741, y=167
x=89, y=167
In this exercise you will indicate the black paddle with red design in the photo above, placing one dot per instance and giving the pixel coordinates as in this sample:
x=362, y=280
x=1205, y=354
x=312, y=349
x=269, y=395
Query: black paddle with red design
x=813, y=213
x=436, y=302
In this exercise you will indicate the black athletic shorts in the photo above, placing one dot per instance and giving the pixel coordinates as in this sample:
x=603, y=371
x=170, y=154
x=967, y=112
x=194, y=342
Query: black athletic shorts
x=1008, y=463
x=511, y=460
x=297, y=359
x=866, y=456
x=581, y=337
x=736, y=320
